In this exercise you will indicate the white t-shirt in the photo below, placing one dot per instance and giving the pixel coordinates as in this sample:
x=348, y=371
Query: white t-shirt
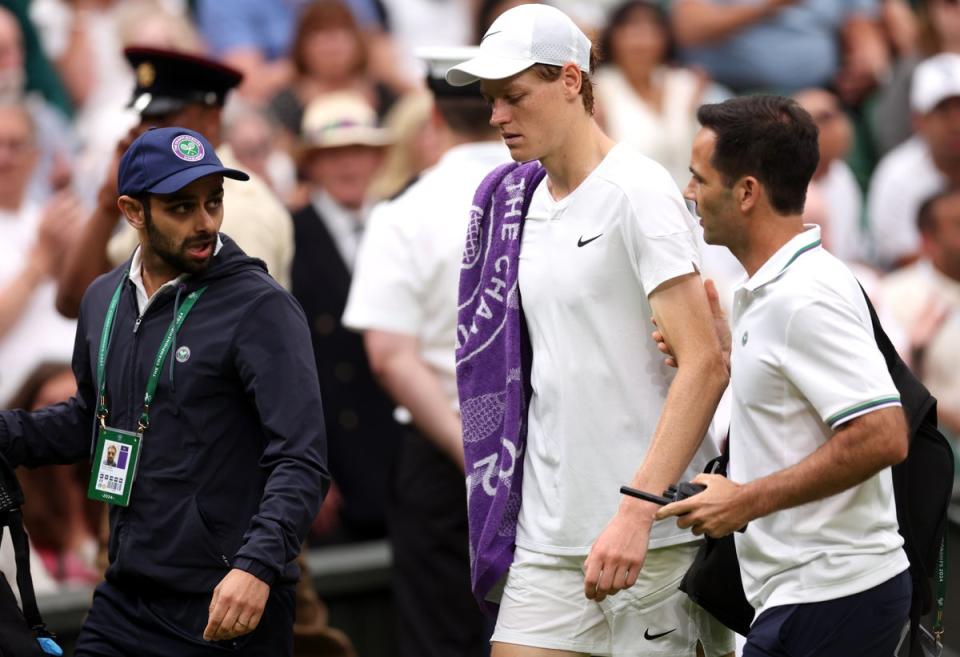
x=408, y=268
x=587, y=265
x=844, y=202
x=904, y=179
x=41, y=333
x=910, y=293
x=805, y=361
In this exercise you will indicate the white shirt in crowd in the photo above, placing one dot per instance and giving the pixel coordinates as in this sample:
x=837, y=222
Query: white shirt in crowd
x=344, y=225
x=41, y=334
x=408, y=268
x=844, y=205
x=587, y=265
x=904, y=179
x=663, y=134
x=804, y=362
x=913, y=291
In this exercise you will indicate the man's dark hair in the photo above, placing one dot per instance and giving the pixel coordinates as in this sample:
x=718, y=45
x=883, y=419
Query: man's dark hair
x=770, y=138
x=144, y=198
x=466, y=115
x=926, y=215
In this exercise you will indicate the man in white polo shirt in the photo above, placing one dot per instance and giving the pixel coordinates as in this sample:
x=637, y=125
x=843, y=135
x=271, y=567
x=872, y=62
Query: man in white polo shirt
x=816, y=421
x=607, y=244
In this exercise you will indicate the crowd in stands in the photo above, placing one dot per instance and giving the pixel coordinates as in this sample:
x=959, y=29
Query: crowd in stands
x=332, y=116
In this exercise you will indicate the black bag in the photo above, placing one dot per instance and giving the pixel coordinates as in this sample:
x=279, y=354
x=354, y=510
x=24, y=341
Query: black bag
x=922, y=485
x=21, y=632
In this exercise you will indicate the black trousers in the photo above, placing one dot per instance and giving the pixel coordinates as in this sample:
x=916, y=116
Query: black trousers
x=127, y=623
x=867, y=624
x=437, y=614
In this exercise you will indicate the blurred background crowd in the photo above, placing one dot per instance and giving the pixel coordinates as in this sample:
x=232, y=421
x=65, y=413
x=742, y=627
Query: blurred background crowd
x=332, y=115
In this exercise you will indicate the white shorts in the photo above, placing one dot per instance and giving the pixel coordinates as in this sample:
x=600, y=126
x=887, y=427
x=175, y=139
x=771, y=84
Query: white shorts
x=543, y=606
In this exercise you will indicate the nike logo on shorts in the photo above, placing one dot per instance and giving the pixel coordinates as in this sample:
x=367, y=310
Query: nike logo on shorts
x=651, y=637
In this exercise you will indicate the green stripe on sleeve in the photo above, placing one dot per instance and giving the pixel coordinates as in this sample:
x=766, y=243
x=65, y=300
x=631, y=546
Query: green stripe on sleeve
x=859, y=408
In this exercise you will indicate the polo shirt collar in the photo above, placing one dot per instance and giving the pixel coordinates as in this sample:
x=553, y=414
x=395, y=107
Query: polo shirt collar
x=785, y=256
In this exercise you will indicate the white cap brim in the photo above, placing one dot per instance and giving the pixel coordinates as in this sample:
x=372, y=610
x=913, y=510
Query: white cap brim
x=486, y=67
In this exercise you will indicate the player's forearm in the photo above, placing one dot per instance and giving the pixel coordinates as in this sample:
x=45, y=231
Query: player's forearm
x=689, y=408
x=85, y=259
x=699, y=22
x=414, y=385
x=856, y=452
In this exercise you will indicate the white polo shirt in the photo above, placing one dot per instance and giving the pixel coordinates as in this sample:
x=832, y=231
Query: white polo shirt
x=587, y=265
x=805, y=361
x=408, y=268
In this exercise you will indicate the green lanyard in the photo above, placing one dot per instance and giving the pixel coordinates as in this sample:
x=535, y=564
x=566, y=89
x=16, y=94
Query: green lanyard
x=154, y=379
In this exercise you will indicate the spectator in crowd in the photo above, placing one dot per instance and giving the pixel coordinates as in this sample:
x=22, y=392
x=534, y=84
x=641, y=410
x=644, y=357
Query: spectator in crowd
x=404, y=300
x=253, y=137
x=85, y=39
x=34, y=238
x=342, y=148
x=252, y=36
x=938, y=30
x=924, y=300
x=750, y=46
x=176, y=88
x=416, y=144
x=833, y=180
x=643, y=100
x=328, y=54
x=61, y=522
x=55, y=142
x=919, y=167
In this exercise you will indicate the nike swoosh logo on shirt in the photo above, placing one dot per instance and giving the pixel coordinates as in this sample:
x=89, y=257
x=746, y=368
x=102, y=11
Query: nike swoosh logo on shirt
x=651, y=637
x=583, y=242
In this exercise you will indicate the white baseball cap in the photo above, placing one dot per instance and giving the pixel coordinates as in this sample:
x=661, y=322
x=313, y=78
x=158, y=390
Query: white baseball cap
x=934, y=80
x=521, y=37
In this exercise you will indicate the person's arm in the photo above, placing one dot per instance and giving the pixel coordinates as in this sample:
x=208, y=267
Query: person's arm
x=61, y=433
x=683, y=314
x=86, y=257
x=866, y=58
x=858, y=450
x=413, y=384
x=274, y=357
x=701, y=22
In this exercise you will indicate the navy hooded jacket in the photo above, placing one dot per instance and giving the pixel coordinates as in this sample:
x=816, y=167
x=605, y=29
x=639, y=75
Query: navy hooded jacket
x=233, y=466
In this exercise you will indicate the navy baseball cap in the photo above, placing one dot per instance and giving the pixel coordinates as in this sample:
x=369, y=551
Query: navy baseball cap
x=164, y=160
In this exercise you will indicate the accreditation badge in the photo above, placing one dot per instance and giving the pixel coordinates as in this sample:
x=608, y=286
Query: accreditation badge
x=114, y=466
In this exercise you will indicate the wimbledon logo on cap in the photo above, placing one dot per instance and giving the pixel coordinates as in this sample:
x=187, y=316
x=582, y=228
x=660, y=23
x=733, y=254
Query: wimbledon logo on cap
x=188, y=148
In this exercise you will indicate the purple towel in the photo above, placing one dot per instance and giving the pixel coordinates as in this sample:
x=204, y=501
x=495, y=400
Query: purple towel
x=493, y=369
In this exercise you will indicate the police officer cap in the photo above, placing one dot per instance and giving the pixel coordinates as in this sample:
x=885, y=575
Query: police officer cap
x=439, y=60
x=167, y=81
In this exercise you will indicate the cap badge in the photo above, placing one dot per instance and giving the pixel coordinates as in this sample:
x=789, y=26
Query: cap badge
x=188, y=148
x=146, y=74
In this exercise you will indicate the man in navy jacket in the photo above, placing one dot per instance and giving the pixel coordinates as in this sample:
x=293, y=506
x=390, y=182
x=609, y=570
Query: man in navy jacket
x=232, y=458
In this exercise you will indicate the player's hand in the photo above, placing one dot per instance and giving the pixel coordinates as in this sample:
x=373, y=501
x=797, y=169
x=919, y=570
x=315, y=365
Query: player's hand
x=236, y=607
x=618, y=553
x=717, y=511
x=720, y=325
